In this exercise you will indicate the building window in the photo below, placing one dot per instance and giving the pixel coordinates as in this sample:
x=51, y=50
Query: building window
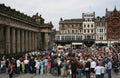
x=92, y=26
x=80, y=31
x=72, y=31
x=88, y=31
x=91, y=31
x=101, y=37
x=101, y=30
x=84, y=26
x=88, y=26
x=84, y=31
x=103, y=24
x=76, y=31
x=88, y=20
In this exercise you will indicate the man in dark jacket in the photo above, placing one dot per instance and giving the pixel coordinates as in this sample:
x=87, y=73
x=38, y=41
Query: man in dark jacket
x=32, y=65
x=87, y=68
x=74, y=67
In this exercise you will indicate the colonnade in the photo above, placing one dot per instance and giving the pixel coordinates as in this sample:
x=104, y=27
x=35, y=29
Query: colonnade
x=19, y=40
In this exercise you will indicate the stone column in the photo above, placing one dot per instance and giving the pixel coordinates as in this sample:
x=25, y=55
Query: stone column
x=13, y=42
x=46, y=40
x=32, y=40
x=18, y=40
x=29, y=41
x=2, y=40
x=22, y=41
x=26, y=41
x=35, y=40
x=39, y=41
x=7, y=36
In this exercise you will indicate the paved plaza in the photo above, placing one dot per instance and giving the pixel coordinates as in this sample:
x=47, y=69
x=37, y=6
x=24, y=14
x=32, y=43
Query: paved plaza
x=47, y=76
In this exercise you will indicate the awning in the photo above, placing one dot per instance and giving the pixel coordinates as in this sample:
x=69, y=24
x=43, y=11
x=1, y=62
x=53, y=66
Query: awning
x=76, y=43
x=105, y=42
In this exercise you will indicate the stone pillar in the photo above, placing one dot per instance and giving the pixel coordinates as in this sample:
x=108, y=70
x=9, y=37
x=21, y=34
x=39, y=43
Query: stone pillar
x=7, y=36
x=18, y=40
x=26, y=41
x=13, y=42
x=29, y=41
x=2, y=40
x=35, y=35
x=46, y=41
x=22, y=41
x=33, y=41
x=39, y=41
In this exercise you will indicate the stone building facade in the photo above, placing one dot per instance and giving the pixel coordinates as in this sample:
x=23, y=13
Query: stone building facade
x=101, y=31
x=20, y=33
x=70, y=33
x=88, y=25
x=105, y=31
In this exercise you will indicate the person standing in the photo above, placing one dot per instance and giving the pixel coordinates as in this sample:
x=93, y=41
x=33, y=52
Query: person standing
x=26, y=62
x=7, y=65
x=92, y=66
x=10, y=70
x=37, y=66
x=87, y=68
x=98, y=71
x=32, y=65
x=74, y=67
x=79, y=69
x=109, y=68
x=42, y=67
x=18, y=66
x=102, y=71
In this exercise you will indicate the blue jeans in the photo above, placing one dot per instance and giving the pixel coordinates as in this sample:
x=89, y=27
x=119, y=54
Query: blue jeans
x=37, y=71
x=79, y=73
x=109, y=73
x=26, y=68
x=98, y=76
x=87, y=74
x=55, y=71
x=42, y=70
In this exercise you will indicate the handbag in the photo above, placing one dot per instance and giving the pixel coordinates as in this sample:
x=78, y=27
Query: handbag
x=86, y=69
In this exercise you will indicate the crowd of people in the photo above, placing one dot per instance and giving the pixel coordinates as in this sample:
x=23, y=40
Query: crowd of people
x=74, y=63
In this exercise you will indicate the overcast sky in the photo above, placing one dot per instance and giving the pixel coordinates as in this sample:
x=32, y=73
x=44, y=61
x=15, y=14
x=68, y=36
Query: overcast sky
x=53, y=10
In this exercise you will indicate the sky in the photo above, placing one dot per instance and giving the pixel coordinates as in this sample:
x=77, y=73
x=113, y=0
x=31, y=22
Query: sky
x=53, y=10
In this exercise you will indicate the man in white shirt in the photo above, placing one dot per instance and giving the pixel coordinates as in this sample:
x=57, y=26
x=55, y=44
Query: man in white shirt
x=98, y=71
x=102, y=71
x=18, y=66
x=92, y=66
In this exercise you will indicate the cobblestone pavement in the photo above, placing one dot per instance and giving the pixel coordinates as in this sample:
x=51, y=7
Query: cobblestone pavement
x=47, y=76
